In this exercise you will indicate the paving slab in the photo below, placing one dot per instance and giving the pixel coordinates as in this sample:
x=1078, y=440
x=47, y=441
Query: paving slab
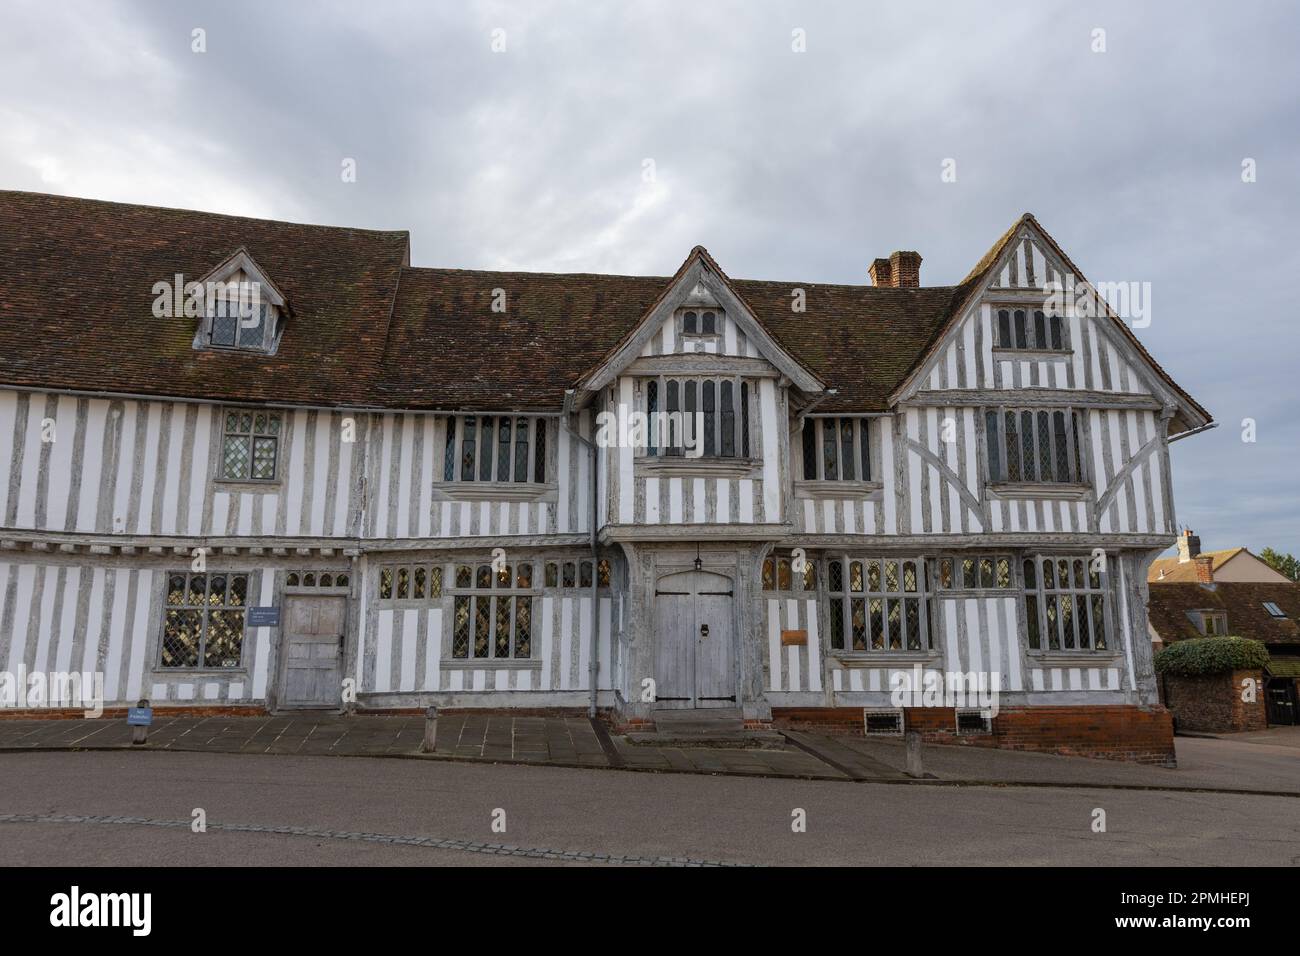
x=1264, y=763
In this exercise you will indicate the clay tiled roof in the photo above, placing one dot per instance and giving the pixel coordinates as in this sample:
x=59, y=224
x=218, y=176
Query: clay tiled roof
x=76, y=298
x=76, y=280
x=1242, y=601
x=448, y=350
x=1174, y=570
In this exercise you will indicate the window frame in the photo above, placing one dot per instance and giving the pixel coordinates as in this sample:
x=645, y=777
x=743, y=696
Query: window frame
x=840, y=603
x=1036, y=627
x=997, y=450
x=390, y=578
x=251, y=586
x=699, y=312
x=537, y=451
x=863, y=454
x=473, y=593
x=955, y=565
x=253, y=435
x=295, y=581
x=219, y=304
x=777, y=569
x=1213, y=623
x=585, y=574
x=1052, y=323
x=650, y=402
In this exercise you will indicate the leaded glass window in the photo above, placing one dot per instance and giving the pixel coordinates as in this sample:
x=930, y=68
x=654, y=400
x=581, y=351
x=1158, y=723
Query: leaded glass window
x=879, y=604
x=1030, y=329
x=700, y=322
x=1034, y=446
x=407, y=582
x=1066, y=603
x=203, y=620
x=250, y=444
x=239, y=324
x=493, y=616
x=698, y=417
x=495, y=448
x=975, y=572
x=836, y=449
x=779, y=574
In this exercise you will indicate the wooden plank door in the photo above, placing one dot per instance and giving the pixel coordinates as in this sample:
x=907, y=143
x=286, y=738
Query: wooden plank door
x=313, y=651
x=694, y=641
x=674, y=644
x=715, y=679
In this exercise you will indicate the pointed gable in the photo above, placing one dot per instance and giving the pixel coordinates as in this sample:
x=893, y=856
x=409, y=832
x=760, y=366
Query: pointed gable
x=1026, y=262
x=700, y=312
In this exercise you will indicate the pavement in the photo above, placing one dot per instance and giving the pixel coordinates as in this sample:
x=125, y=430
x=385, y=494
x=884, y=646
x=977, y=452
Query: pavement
x=136, y=808
x=1264, y=764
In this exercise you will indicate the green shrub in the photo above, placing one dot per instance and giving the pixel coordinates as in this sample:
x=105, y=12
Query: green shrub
x=1211, y=655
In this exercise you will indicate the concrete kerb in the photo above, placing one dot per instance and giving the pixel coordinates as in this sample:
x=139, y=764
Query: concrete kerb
x=573, y=765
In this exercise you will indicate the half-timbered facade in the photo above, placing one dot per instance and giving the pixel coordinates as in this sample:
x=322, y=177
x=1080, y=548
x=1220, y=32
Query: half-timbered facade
x=386, y=486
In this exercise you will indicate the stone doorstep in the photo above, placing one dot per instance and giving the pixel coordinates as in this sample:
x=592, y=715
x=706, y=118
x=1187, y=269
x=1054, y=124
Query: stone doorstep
x=735, y=740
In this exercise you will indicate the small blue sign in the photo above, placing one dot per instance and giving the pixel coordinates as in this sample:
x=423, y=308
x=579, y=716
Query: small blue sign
x=139, y=716
x=263, y=617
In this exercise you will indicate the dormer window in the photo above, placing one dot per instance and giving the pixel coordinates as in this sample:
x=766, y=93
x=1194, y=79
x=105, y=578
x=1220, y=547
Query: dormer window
x=700, y=322
x=243, y=309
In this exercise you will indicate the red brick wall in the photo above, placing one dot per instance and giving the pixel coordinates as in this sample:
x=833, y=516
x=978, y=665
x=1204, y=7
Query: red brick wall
x=1119, y=732
x=1212, y=704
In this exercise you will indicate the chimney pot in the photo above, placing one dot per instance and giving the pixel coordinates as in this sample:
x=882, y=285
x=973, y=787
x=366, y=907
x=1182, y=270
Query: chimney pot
x=906, y=269
x=1189, y=546
x=882, y=274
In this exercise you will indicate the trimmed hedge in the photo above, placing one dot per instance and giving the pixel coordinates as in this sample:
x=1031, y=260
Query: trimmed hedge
x=1211, y=655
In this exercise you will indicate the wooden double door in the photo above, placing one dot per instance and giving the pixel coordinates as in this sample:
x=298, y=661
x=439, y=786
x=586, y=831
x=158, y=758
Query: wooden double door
x=695, y=652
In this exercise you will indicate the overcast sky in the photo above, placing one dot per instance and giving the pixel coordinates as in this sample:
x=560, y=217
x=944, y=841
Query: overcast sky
x=787, y=165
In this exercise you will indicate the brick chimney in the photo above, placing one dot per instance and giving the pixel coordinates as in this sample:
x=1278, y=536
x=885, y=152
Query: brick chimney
x=1189, y=546
x=1204, y=569
x=906, y=269
x=881, y=274
x=902, y=270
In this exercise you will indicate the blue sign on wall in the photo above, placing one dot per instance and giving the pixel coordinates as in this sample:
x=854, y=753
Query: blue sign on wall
x=263, y=617
x=139, y=716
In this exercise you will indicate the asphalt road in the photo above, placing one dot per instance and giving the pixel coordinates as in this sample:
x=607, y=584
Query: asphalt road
x=571, y=812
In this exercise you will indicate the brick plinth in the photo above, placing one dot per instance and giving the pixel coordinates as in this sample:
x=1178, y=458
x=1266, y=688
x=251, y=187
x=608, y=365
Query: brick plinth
x=1122, y=732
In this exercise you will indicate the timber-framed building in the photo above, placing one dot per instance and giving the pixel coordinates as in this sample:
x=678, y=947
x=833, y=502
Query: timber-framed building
x=399, y=492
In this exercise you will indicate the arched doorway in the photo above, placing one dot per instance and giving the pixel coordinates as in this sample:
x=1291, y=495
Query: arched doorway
x=695, y=653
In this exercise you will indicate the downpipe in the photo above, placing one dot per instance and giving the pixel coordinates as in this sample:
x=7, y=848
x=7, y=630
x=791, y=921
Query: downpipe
x=594, y=666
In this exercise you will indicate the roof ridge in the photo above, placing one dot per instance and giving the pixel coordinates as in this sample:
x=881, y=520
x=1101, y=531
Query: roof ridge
x=202, y=212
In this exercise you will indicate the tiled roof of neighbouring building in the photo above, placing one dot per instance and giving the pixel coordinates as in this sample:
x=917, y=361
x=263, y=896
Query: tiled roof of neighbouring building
x=1243, y=602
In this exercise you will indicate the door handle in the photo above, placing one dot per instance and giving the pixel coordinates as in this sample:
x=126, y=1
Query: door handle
x=704, y=631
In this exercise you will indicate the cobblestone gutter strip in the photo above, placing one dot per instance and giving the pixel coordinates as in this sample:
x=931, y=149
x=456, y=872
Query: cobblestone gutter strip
x=465, y=846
